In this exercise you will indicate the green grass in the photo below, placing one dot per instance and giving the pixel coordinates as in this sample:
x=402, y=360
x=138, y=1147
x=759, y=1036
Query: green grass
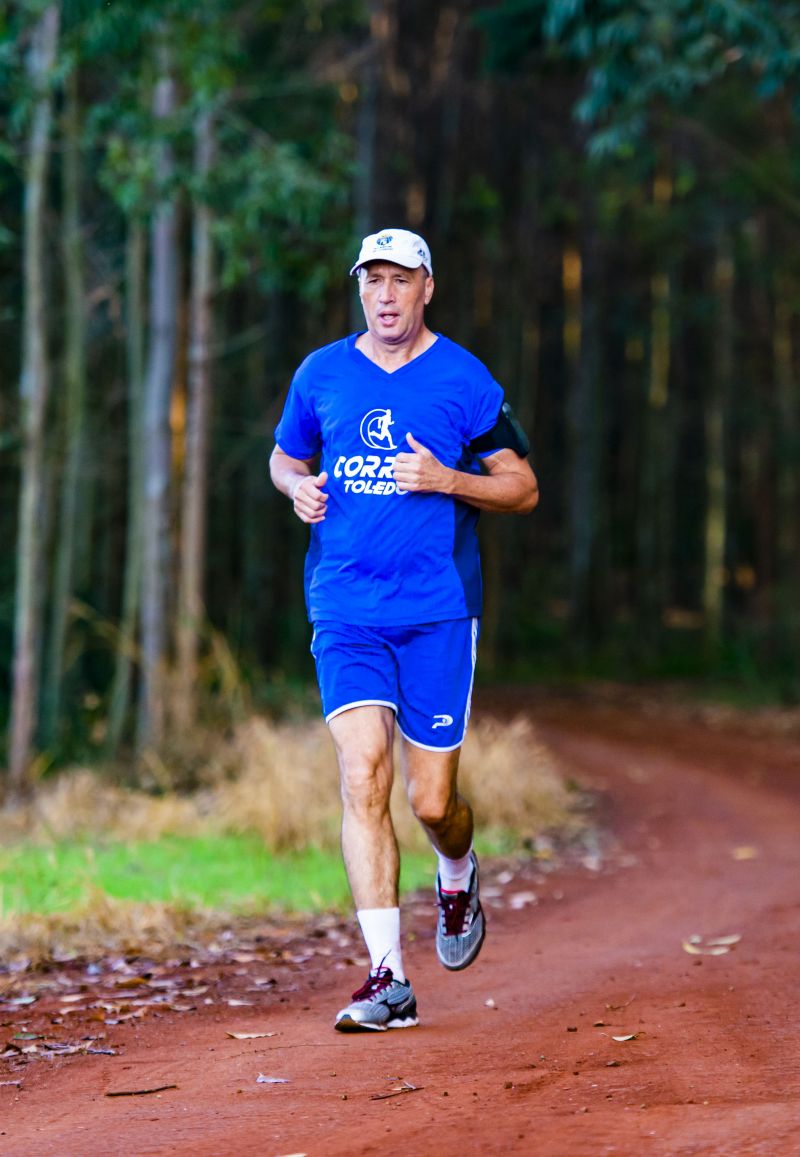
x=235, y=873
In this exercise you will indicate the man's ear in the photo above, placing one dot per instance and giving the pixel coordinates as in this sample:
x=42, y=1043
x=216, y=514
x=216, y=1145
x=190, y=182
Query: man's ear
x=429, y=287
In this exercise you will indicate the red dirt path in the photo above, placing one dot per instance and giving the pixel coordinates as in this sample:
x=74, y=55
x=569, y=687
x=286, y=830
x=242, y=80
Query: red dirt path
x=515, y=1055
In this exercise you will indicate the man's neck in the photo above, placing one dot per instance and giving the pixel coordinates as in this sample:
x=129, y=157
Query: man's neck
x=391, y=357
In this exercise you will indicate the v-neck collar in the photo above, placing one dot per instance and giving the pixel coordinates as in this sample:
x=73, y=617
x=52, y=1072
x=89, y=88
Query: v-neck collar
x=379, y=369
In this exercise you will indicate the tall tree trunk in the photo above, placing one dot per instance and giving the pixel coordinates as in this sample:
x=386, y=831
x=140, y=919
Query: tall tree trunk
x=788, y=466
x=34, y=389
x=583, y=347
x=652, y=517
x=119, y=702
x=156, y=406
x=195, y=482
x=366, y=127
x=75, y=411
x=717, y=394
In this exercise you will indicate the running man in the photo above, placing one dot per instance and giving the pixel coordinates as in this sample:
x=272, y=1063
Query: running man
x=393, y=589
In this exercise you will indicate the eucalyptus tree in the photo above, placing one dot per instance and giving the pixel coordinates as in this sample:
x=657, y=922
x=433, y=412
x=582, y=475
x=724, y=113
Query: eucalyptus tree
x=34, y=391
x=261, y=200
x=648, y=76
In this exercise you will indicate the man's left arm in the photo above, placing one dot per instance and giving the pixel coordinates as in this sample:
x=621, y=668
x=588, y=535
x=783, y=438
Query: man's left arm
x=509, y=485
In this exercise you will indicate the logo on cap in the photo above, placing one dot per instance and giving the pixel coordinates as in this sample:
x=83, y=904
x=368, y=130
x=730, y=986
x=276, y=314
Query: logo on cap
x=383, y=241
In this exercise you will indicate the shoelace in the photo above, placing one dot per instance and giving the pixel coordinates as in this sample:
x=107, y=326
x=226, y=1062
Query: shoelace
x=454, y=909
x=376, y=983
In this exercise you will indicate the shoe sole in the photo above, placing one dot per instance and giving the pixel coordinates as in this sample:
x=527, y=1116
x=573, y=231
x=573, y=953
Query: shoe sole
x=347, y=1024
x=473, y=954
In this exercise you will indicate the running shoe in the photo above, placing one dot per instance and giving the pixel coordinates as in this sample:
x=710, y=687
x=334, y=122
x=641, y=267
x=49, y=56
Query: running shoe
x=381, y=1003
x=461, y=927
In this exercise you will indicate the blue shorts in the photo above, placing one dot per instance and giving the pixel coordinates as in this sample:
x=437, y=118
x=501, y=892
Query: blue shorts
x=423, y=673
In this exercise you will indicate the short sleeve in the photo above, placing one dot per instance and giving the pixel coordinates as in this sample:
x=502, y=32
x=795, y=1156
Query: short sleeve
x=486, y=403
x=298, y=432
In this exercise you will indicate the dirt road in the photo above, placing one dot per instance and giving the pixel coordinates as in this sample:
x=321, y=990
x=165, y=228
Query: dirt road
x=518, y=1054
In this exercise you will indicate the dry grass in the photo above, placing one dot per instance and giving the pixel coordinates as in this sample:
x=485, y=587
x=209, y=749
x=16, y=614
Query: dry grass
x=276, y=780
x=280, y=781
x=102, y=925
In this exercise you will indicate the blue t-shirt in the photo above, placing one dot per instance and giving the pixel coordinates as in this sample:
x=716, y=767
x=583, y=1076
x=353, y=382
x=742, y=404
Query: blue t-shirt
x=383, y=557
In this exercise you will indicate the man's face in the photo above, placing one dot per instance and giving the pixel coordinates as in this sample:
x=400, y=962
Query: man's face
x=394, y=299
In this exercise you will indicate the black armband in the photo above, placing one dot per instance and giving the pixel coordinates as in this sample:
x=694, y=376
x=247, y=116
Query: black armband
x=506, y=434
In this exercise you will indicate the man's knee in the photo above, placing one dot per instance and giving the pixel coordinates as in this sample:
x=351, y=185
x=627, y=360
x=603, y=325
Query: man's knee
x=433, y=807
x=366, y=782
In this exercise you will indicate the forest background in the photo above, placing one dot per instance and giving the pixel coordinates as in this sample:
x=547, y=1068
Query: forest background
x=611, y=192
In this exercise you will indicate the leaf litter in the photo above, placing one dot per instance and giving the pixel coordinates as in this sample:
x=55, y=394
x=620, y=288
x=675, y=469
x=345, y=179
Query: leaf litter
x=249, y=1035
x=697, y=945
x=397, y=1090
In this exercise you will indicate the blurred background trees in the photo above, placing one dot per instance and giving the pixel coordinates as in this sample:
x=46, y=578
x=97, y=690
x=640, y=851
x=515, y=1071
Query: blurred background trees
x=612, y=196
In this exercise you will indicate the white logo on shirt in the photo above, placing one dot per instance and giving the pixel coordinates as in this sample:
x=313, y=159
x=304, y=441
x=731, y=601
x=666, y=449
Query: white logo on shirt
x=441, y=721
x=375, y=430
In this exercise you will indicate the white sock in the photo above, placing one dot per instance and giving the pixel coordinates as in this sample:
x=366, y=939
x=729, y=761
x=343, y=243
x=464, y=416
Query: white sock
x=380, y=928
x=455, y=875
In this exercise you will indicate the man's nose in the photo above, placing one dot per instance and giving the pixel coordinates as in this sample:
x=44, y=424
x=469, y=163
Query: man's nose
x=387, y=291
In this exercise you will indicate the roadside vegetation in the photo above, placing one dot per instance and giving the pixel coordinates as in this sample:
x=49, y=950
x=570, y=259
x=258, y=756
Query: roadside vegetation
x=89, y=863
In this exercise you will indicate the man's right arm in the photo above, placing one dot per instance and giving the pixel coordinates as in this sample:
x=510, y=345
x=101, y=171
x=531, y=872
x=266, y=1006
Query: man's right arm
x=294, y=477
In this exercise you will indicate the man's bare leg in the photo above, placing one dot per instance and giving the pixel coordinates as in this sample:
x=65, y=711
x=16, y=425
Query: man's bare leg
x=431, y=779
x=363, y=738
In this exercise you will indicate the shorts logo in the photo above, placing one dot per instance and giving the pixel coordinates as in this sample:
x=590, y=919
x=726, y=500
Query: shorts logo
x=441, y=721
x=375, y=430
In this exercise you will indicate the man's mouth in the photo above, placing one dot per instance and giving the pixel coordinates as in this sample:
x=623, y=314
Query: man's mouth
x=388, y=318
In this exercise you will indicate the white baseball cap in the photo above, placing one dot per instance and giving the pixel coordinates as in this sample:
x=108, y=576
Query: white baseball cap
x=396, y=245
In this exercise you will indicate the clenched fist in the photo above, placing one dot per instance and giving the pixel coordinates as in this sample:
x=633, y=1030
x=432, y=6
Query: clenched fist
x=420, y=471
x=309, y=499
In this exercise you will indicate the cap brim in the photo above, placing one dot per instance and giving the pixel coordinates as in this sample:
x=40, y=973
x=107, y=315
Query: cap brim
x=389, y=261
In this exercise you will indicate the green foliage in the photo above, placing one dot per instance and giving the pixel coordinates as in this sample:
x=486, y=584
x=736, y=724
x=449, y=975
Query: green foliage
x=649, y=55
x=271, y=191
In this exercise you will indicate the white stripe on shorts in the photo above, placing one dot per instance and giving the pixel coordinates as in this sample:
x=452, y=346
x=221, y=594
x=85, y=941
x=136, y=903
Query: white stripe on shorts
x=361, y=703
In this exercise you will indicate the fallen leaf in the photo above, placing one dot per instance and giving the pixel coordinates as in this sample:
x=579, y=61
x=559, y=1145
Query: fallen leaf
x=234, y=1003
x=745, y=853
x=249, y=1035
x=628, y=1036
x=262, y=1080
x=619, y=1007
x=714, y=946
x=490, y=1003
x=141, y=1092
x=397, y=1091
